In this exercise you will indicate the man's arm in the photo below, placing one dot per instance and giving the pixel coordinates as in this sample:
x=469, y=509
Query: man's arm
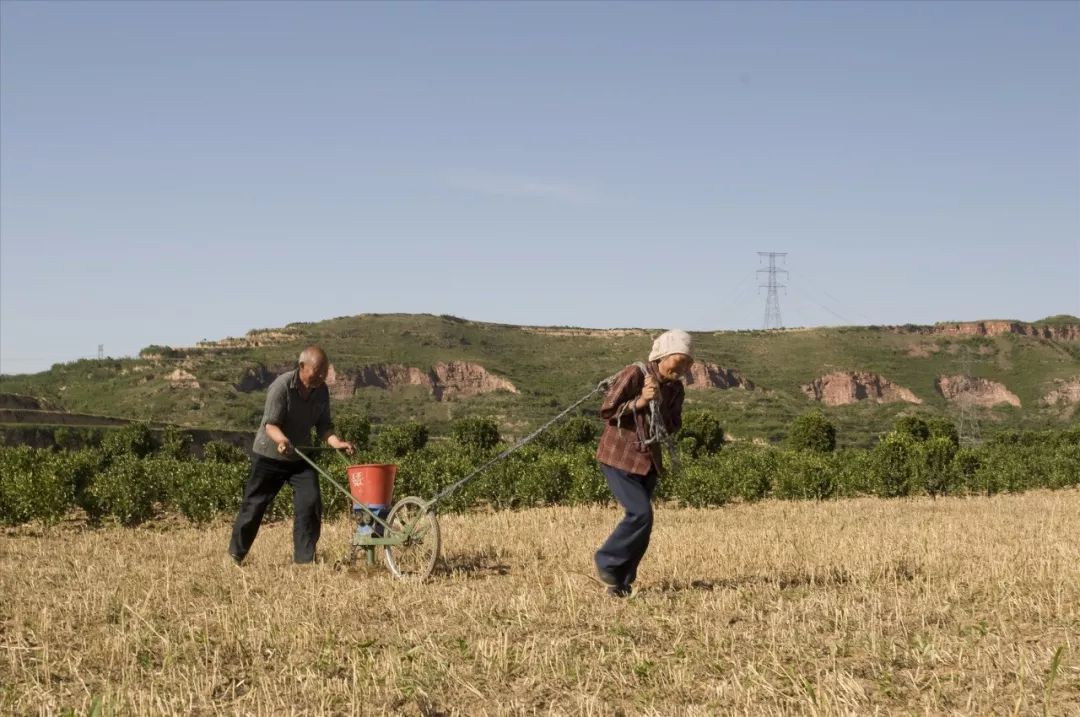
x=324, y=429
x=334, y=442
x=274, y=416
x=275, y=434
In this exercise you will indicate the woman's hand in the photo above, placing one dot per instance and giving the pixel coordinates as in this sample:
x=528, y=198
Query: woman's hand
x=648, y=392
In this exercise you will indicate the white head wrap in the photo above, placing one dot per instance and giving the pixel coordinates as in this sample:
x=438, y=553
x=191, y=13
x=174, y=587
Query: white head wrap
x=675, y=341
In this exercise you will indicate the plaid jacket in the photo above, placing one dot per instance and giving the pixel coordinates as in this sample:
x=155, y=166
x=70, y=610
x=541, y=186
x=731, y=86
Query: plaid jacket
x=619, y=445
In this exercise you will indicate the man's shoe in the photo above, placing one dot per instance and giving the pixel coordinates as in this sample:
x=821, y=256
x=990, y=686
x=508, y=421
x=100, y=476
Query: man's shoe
x=606, y=577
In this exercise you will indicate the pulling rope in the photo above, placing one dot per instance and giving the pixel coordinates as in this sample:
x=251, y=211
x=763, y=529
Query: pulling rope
x=656, y=431
x=660, y=433
x=602, y=386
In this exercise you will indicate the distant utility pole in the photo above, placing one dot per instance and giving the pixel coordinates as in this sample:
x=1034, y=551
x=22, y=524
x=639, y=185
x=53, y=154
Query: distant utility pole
x=772, y=301
x=100, y=351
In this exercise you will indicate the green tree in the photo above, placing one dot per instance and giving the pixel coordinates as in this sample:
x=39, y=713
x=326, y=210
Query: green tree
x=220, y=451
x=805, y=475
x=200, y=490
x=937, y=473
x=943, y=428
x=967, y=465
x=570, y=434
x=158, y=350
x=476, y=433
x=914, y=426
x=34, y=485
x=705, y=430
x=127, y=490
x=401, y=440
x=175, y=443
x=354, y=428
x=705, y=482
x=895, y=466
x=812, y=431
x=135, y=439
x=1065, y=466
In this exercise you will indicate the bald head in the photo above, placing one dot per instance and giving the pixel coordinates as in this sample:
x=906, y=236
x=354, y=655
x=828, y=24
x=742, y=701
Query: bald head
x=313, y=367
x=312, y=356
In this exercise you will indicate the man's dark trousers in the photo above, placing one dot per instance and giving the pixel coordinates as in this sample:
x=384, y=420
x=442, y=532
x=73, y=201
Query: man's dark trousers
x=624, y=548
x=267, y=478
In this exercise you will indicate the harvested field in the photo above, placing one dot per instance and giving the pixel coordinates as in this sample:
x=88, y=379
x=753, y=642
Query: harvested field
x=865, y=606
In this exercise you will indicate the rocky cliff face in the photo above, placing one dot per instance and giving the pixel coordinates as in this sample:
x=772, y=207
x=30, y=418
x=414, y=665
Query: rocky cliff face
x=974, y=391
x=461, y=379
x=445, y=380
x=596, y=333
x=1063, y=332
x=387, y=376
x=1064, y=398
x=1056, y=332
x=253, y=339
x=1064, y=393
x=258, y=377
x=180, y=378
x=845, y=387
x=709, y=375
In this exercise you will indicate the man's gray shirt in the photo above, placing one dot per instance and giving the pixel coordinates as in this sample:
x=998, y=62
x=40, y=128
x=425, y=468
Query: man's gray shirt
x=294, y=415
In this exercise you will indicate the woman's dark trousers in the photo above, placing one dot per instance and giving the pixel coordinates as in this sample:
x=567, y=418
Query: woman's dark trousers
x=623, y=550
x=268, y=476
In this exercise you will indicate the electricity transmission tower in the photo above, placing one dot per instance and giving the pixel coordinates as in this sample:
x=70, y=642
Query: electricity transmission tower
x=772, y=301
x=967, y=423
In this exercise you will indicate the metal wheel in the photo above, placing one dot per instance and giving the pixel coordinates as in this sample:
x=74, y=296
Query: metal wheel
x=416, y=557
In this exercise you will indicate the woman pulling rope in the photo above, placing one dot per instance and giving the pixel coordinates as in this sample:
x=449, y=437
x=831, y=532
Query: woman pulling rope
x=643, y=408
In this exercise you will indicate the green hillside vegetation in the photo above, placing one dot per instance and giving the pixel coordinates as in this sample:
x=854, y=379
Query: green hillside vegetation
x=1059, y=320
x=552, y=367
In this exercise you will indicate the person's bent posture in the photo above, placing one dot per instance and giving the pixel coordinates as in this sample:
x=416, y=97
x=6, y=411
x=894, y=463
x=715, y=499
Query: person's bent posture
x=296, y=402
x=629, y=450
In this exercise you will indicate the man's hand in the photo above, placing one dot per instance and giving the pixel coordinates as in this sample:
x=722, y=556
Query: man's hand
x=337, y=443
x=284, y=447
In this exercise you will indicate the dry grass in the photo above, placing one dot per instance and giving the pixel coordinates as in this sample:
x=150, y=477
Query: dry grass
x=853, y=607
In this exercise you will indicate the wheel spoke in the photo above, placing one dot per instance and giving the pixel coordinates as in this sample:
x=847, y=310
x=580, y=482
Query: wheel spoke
x=415, y=558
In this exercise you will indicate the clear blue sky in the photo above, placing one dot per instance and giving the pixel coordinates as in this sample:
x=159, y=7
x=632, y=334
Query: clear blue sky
x=174, y=172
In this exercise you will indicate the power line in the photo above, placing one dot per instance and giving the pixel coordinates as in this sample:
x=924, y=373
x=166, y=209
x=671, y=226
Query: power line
x=741, y=293
x=826, y=308
x=772, y=301
x=739, y=288
x=796, y=300
x=847, y=306
x=799, y=315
